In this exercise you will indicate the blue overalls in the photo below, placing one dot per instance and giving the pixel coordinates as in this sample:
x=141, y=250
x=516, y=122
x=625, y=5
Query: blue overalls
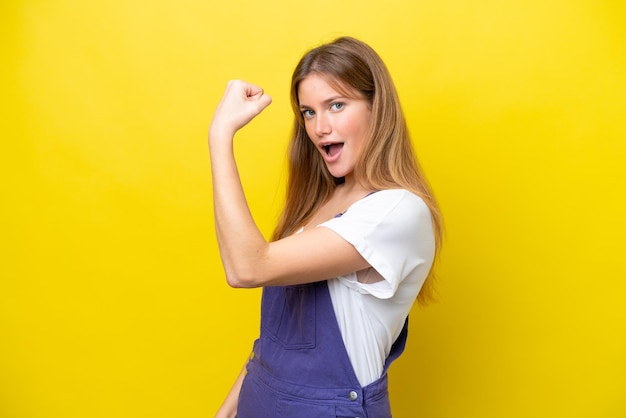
x=300, y=367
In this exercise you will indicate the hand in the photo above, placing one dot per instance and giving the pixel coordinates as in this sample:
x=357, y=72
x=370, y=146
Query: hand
x=240, y=104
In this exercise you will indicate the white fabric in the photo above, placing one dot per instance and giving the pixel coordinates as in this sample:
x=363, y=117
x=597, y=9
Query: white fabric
x=392, y=230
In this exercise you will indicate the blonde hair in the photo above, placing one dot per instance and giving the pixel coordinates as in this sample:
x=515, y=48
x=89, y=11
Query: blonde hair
x=387, y=161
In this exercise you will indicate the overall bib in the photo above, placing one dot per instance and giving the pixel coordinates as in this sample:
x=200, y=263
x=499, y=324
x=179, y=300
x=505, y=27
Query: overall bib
x=300, y=367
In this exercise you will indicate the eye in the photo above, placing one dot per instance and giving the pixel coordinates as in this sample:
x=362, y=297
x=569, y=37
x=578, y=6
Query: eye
x=308, y=113
x=336, y=106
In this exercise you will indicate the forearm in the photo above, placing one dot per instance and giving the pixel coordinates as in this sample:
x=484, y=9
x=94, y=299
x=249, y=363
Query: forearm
x=240, y=242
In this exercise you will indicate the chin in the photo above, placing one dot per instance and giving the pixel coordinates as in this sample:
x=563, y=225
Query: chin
x=338, y=172
x=338, y=175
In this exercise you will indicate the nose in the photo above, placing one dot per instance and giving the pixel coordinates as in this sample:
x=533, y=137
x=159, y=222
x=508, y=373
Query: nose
x=322, y=124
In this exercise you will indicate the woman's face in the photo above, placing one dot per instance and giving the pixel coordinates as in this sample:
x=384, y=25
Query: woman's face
x=336, y=124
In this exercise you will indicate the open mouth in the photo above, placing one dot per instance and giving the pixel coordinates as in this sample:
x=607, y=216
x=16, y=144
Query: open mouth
x=332, y=149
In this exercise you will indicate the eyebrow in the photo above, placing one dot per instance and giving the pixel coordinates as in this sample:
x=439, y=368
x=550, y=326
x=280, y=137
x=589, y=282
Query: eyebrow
x=325, y=102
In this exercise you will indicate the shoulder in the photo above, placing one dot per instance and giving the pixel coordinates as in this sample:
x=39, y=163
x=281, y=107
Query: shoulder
x=400, y=202
x=397, y=212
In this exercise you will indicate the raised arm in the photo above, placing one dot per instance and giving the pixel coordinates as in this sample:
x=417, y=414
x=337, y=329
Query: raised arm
x=248, y=259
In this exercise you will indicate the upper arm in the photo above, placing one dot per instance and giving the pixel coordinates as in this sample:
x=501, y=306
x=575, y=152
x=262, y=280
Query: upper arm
x=312, y=255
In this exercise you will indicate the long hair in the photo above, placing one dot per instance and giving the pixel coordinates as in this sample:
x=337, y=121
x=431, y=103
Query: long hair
x=387, y=161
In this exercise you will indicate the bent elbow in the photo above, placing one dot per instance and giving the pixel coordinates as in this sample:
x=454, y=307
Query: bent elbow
x=239, y=282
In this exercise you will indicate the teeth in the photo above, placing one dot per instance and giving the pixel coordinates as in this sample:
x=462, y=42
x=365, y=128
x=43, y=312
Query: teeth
x=327, y=148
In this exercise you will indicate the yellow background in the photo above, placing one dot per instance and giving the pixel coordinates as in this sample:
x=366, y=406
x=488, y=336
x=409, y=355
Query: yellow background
x=112, y=297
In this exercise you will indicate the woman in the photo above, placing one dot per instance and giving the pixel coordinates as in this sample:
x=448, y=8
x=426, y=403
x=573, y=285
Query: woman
x=352, y=250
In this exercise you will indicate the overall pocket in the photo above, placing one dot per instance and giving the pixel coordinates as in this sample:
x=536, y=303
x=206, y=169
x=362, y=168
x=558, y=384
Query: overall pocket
x=288, y=315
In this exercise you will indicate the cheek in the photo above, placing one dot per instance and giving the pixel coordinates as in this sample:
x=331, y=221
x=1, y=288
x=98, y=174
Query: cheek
x=364, y=125
x=353, y=128
x=354, y=124
x=309, y=131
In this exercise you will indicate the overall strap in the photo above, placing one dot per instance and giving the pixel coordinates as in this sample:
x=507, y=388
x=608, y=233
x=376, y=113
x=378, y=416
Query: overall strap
x=398, y=346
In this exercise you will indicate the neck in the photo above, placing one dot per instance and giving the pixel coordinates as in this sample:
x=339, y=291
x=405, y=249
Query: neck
x=351, y=189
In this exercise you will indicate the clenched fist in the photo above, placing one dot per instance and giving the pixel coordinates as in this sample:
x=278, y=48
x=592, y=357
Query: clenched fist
x=240, y=104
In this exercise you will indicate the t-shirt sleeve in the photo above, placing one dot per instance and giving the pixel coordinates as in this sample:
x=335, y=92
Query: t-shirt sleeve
x=392, y=230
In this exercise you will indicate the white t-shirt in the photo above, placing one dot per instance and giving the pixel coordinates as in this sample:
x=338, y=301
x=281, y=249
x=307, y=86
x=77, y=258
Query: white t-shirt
x=392, y=230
